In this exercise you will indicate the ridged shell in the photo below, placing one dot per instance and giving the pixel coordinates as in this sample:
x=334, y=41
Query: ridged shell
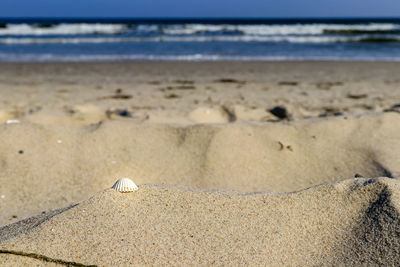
x=125, y=185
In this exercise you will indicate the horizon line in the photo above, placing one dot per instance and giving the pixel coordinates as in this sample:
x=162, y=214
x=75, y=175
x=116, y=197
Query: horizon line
x=201, y=18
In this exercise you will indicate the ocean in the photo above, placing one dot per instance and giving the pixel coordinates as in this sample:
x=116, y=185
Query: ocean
x=199, y=39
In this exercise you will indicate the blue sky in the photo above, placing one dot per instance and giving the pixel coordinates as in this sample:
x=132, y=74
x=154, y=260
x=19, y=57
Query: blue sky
x=199, y=8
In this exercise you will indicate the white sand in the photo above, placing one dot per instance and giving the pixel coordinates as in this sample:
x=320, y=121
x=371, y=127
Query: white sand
x=344, y=223
x=184, y=127
x=270, y=157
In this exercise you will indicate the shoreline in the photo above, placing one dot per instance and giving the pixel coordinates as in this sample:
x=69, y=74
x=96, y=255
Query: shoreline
x=204, y=61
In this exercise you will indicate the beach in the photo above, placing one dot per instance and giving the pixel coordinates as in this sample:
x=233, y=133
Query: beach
x=278, y=163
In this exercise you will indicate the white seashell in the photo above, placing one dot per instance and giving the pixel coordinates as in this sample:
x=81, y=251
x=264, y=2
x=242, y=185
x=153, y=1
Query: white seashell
x=12, y=121
x=125, y=185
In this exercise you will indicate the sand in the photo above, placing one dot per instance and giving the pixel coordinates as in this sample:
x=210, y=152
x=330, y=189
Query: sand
x=354, y=222
x=167, y=92
x=222, y=180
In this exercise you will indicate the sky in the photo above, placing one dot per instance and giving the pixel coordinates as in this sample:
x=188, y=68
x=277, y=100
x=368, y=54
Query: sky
x=200, y=8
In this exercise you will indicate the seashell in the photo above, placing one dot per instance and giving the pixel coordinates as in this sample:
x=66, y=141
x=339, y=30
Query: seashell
x=125, y=185
x=12, y=121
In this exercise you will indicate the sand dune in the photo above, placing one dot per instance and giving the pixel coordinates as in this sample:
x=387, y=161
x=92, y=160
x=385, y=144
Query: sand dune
x=48, y=167
x=353, y=222
x=201, y=139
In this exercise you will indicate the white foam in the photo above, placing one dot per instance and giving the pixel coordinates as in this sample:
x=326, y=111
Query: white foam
x=222, y=38
x=190, y=29
x=65, y=40
x=63, y=29
x=196, y=28
x=147, y=28
x=310, y=29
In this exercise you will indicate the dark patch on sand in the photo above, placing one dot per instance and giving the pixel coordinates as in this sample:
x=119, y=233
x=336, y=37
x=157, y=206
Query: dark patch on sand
x=288, y=83
x=394, y=108
x=356, y=96
x=279, y=112
x=117, y=96
x=229, y=80
x=171, y=96
x=119, y=112
x=327, y=85
x=230, y=113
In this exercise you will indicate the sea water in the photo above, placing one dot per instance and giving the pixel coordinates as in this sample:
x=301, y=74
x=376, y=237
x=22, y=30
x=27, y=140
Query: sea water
x=199, y=39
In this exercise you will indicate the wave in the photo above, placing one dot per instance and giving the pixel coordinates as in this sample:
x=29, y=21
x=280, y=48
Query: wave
x=196, y=29
x=266, y=39
x=27, y=41
x=354, y=31
x=309, y=29
x=62, y=29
